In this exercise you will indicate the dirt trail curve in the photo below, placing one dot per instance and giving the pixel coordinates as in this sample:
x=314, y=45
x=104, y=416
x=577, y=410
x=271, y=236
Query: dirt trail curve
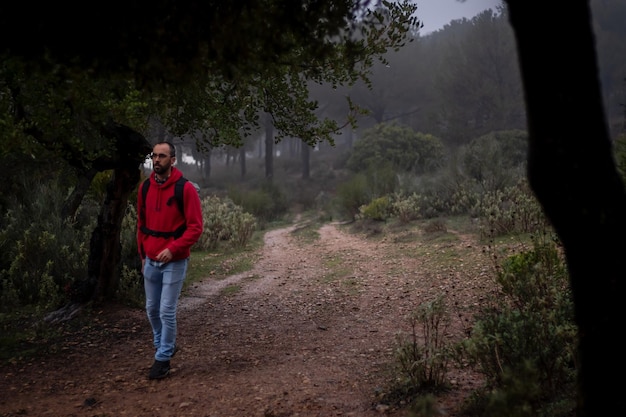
x=310, y=333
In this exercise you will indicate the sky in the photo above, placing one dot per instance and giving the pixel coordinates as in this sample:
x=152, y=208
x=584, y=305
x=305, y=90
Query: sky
x=434, y=14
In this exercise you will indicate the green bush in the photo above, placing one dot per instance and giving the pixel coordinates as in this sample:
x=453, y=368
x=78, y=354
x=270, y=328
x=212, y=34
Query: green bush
x=524, y=338
x=130, y=289
x=379, y=209
x=496, y=159
x=224, y=221
x=509, y=211
x=351, y=195
x=266, y=204
x=422, y=357
x=362, y=188
x=444, y=193
x=407, y=209
x=44, y=254
x=130, y=284
x=399, y=147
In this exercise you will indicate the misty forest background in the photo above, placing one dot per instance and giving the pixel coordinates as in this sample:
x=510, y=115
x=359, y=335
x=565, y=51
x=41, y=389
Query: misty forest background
x=437, y=129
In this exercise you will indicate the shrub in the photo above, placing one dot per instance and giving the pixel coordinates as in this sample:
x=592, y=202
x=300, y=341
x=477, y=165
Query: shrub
x=266, y=204
x=524, y=338
x=511, y=210
x=130, y=284
x=422, y=357
x=130, y=289
x=224, y=221
x=399, y=147
x=379, y=209
x=407, y=209
x=442, y=194
x=360, y=189
x=495, y=160
x=351, y=195
x=44, y=254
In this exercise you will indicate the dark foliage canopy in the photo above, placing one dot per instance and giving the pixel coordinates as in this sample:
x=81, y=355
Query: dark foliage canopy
x=167, y=39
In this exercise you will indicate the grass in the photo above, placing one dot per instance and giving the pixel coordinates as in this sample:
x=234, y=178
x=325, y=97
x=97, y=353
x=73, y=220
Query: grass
x=335, y=269
x=306, y=229
x=306, y=233
x=352, y=285
x=231, y=289
x=223, y=261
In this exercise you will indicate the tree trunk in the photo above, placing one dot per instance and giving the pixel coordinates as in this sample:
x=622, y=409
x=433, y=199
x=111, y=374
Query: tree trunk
x=105, y=248
x=269, y=148
x=573, y=174
x=72, y=203
x=242, y=161
x=305, y=153
x=206, y=160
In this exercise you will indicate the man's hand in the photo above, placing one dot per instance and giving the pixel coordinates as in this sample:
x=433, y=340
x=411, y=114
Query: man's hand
x=164, y=256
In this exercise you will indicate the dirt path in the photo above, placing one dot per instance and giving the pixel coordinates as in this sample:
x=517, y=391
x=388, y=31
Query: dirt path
x=311, y=332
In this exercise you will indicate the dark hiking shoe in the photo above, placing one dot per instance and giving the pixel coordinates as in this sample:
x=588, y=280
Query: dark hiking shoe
x=159, y=370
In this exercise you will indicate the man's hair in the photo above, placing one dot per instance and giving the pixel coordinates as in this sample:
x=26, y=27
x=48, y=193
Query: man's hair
x=172, y=147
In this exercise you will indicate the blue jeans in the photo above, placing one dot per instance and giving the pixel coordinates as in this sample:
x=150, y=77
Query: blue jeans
x=163, y=283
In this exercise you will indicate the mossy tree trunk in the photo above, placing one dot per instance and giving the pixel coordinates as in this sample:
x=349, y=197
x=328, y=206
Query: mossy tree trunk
x=105, y=249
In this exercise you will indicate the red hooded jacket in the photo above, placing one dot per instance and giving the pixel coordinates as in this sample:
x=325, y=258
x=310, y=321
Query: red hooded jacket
x=162, y=214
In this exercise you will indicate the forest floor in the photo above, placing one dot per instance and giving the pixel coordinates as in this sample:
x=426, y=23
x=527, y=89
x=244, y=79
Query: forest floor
x=311, y=330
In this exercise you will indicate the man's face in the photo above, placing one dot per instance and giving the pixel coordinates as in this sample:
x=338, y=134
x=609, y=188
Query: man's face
x=161, y=159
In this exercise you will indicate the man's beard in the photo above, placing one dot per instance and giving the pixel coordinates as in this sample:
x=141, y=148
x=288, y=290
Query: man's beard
x=160, y=169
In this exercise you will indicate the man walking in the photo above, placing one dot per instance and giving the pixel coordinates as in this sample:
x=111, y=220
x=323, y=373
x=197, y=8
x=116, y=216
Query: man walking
x=165, y=236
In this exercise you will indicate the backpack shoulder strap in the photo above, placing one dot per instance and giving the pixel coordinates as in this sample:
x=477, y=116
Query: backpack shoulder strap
x=144, y=190
x=178, y=193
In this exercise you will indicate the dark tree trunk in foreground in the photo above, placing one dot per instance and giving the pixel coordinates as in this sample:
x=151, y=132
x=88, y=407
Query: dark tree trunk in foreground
x=573, y=175
x=105, y=250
